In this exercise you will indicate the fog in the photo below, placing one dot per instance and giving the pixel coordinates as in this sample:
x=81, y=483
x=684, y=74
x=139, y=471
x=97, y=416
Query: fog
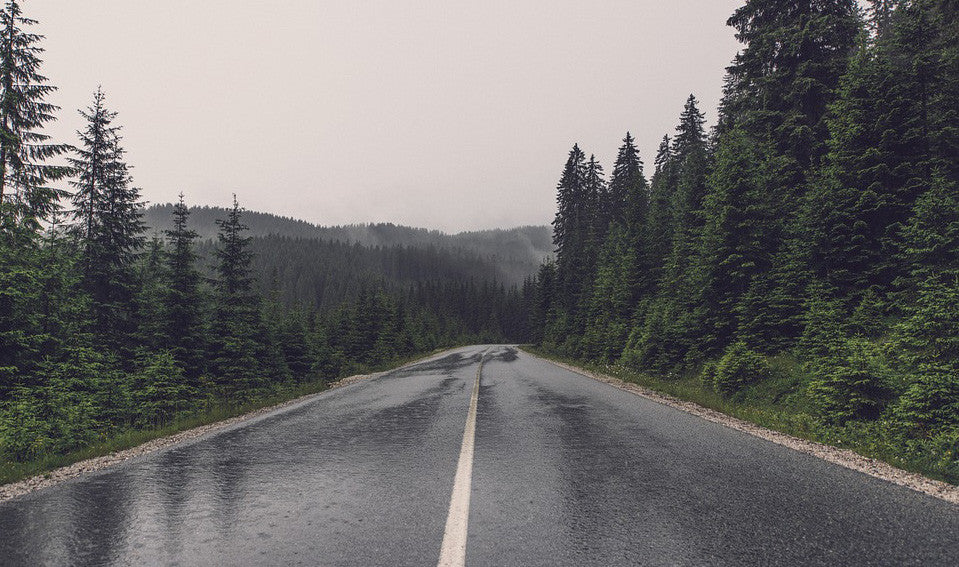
x=447, y=115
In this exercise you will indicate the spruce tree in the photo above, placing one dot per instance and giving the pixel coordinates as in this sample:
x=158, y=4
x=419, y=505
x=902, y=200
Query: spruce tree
x=26, y=194
x=689, y=153
x=883, y=153
x=628, y=201
x=236, y=322
x=184, y=301
x=109, y=225
x=571, y=229
x=659, y=224
x=779, y=89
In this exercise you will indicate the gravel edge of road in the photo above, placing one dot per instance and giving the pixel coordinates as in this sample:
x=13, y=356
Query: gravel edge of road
x=63, y=474
x=842, y=457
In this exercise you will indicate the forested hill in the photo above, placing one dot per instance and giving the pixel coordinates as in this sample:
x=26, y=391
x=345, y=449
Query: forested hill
x=513, y=254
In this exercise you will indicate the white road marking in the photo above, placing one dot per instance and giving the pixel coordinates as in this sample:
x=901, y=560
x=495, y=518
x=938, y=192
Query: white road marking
x=453, y=551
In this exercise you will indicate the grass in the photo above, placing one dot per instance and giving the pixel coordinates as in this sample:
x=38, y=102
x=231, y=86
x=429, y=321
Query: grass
x=129, y=438
x=778, y=404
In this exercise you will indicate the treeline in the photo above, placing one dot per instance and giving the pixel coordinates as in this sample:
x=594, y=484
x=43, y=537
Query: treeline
x=809, y=242
x=508, y=254
x=105, y=329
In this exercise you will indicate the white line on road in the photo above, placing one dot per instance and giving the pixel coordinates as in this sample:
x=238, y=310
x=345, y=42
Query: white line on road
x=453, y=551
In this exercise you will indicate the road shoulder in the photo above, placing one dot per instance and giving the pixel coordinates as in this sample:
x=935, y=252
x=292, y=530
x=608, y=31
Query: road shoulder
x=842, y=457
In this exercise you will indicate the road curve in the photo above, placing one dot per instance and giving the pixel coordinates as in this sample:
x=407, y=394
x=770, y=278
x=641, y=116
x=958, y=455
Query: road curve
x=565, y=471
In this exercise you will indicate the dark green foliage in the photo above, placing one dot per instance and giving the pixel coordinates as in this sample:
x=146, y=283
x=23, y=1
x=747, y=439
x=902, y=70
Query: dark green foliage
x=931, y=404
x=820, y=221
x=26, y=194
x=159, y=390
x=571, y=229
x=849, y=387
x=738, y=368
x=609, y=307
x=183, y=301
x=108, y=226
x=236, y=360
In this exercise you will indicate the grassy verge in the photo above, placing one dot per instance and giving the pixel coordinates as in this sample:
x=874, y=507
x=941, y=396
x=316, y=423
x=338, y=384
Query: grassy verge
x=775, y=405
x=127, y=439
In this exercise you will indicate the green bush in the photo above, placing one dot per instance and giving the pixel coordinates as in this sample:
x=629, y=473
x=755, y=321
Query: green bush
x=850, y=388
x=161, y=390
x=738, y=368
x=931, y=403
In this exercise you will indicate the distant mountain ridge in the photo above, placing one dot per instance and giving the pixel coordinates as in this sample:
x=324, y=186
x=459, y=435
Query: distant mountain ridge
x=516, y=252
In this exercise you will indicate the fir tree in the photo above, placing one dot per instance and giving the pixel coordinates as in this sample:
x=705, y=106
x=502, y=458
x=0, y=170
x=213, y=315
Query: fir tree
x=184, y=302
x=26, y=193
x=659, y=226
x=628, y=200
x=108, y=224
x=690, y=160
x=570, y=230
x=236, y=322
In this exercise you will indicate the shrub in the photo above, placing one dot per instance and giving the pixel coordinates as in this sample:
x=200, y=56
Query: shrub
x=931, y=403
x=850, y=388
x=161, y=390
x=738, y=368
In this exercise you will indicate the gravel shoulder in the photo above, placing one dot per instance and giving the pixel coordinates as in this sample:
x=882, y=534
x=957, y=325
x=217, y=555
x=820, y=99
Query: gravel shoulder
x=62, y=474
x=841, y=457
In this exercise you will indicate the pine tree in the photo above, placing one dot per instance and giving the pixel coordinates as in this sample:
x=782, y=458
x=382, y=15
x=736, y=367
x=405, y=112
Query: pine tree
x=628, y=191
x=659, y=226
x=630, y=198
x=570, y=236
x=734, y=244
x=109, y=225
x=609, y=306
x=26, y=195
x=779, y=89
x=689, y=153
x=149, y=304
x=235, y=351
x=185, y=337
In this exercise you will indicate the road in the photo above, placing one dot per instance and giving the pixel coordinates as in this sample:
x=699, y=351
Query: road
x=564, y=470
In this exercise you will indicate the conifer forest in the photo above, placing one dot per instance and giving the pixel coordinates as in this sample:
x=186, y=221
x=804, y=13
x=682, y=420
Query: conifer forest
x=799, y=257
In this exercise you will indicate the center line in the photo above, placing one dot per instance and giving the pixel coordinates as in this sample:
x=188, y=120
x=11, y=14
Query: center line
x=453, y=551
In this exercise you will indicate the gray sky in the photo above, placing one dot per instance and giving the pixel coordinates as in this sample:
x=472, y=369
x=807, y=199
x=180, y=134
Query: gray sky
x=443, y=114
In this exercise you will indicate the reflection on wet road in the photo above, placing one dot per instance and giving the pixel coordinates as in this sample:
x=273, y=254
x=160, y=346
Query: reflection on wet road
x=567, y=471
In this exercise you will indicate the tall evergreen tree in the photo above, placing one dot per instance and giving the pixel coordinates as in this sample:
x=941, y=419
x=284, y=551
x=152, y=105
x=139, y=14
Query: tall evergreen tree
x=689, y=153
x=570, y=229
x=236, y=322
x=659, y=225
x=779, y=89
x=26, y=193
x=628, y=191
x=184, y=301
x=109, y=225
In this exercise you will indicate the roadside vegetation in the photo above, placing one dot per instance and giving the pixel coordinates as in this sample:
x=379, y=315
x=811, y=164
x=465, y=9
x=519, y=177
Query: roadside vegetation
x=779, y=402
x=208, y=411
x=798, y=265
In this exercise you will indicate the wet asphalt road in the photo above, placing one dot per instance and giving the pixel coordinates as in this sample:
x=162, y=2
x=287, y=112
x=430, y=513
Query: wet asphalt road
x=567, y=471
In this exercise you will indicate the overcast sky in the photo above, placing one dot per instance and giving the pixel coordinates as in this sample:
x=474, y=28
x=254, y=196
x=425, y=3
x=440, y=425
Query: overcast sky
x=442, y=114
